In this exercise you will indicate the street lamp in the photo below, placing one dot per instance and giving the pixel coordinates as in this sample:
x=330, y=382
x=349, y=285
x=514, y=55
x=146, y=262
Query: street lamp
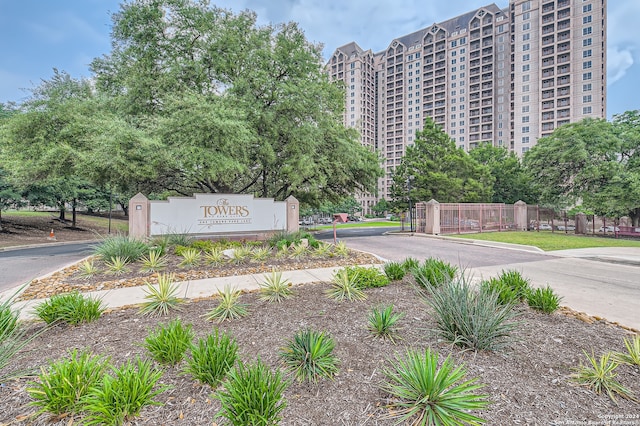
x=410, y=209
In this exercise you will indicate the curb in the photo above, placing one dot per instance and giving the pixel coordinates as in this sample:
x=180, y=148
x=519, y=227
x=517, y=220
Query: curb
x=494, y=244
x=42, y=245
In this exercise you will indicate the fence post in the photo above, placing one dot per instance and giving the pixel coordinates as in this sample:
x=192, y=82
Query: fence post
x=432, y=217
x=293, y=214
x=139, y=211
x=520, y=215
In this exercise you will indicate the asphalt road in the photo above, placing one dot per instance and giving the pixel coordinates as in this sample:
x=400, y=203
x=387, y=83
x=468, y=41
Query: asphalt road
x=21, y=266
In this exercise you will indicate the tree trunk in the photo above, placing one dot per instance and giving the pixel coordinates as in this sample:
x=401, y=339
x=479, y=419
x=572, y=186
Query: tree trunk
x=74, y=213
x=125, y=208
x=62, y=213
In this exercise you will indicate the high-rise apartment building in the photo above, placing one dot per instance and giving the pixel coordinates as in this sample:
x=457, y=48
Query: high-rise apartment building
x=504, y=76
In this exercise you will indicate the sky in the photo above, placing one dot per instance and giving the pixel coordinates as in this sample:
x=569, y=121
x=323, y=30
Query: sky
x=37, y=36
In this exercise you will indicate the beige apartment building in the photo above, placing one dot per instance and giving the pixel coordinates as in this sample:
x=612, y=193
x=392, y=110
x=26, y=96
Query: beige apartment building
x=504, y=76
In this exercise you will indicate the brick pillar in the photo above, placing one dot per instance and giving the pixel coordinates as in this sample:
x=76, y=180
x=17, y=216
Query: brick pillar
x=520, y=215
x=139, y=216
x=432, y=218
x=293, y=214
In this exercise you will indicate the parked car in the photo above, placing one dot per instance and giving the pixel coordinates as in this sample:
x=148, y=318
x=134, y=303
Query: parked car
x=609, y=229
x=566, y=228
x=545, y=227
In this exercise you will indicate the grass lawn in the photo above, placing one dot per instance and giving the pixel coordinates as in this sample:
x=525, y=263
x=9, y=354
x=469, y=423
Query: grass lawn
x=117, y=224
x=382, y=223
x=549, y=241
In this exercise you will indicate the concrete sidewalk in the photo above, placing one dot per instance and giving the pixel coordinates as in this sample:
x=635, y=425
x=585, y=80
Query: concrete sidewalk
x=196, y=289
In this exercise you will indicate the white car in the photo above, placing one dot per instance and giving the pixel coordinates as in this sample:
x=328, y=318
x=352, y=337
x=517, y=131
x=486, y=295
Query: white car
x=545, y=227
x=609, y=229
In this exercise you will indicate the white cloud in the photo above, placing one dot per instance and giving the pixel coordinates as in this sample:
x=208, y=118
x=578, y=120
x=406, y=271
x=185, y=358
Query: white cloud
x=623, y=39
x=618, y=62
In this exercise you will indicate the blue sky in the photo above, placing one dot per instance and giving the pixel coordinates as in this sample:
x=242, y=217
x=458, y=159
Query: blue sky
x=37, y=36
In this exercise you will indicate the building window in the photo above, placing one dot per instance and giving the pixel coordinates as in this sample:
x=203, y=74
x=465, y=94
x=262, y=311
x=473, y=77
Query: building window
x=586, y=53
x=586, y=8
x=454, y=43
x=526, y=26
x=525, y=68
x=526, y=16
x=526, y=57
x=526, y=46
x=525, y=119
x=526, y=37
x=586, y=20
x=586, y=110
x=525, y=98
x=525, y=88
x=586, y=31
x=525, y=139
x=586, y=87
x=586, y=76
x=525, y=108
x=525, y=129
x=586, y=99
x=587, y=42
x=586, y=65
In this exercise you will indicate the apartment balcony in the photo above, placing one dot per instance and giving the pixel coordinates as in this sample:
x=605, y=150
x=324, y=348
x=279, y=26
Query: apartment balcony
x=487, y=85
x=441, y=45
x=474, y=138
x=474, y=113
x=474, y=129
x=428, y=105
x=474, y=121
x=565, y=35
x=488, y=119
x=440, y=96
x=548, y=18
x=487, y=110
x=486, y=136
x=550, y=39
x=563, y=25
x=547, y=105
x=487, y=32
x=474, y=104
x=562, y=123
x=390, y=61
x=548, y=94
x=548, y=29
x=475, y=45
x=427, y=98
x=440, y=80
x=474, y=88
x=487, y=127
x=549, y=72
x=441, y=64
x=487, y=76
x=564, y=102
x=564, y=13
x=474, y=96
x=548, y=7
x=487, y=102
x=487, y=68
x=487, y=42
x=548, y=62
x=564, y=58
x=564, y=47
x=563, y=69
x=563, y=113
x=440, y=104
x=474, y=80
x=564, y=91
x=439, y=111
x=474, y=63
x=441, y=72
x=428, y=49
x=564, y=80
x=548, y=115
x=474, y=55
x=475, y=34
x=487, y=60
x=548, y=51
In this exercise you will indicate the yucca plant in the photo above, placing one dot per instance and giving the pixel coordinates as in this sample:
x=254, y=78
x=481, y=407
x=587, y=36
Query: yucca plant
x=470, y=318
x=394, y=271
x=229, y=306
x=275, y=288
x=282, y=252
x=433, y=273
x=543, y=299
x=632, y=357
x=344, y=286
x=154, y=261
x=212, y=358
x=167, y=344
x=190, y=257
x=71, y=308
x=123, y=393
x=252, y=395
x=382, y=322
x=117, y=265
x=309, y=356
x=161, y=298
x=425, y=394
x=341, y=249
x=214, y=256
x=600, y=376
x=121, y=246
x=323, y=250
x=61, y=387
x=240, y=254
x=260, y=254
x=299, y=251
x=88, y=268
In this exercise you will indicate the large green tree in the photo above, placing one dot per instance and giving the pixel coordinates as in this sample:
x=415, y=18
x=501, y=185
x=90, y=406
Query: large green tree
x=236, y=107
x=511, y=183
x=593, y=162
x=438, y=170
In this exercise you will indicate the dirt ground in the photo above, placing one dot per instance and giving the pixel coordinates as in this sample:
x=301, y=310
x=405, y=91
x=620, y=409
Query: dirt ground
x=526, y=384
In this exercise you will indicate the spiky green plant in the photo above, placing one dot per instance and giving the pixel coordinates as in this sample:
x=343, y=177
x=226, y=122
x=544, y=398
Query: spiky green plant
x=229, y=307
x=240, y=254
x=341, y=249
x=344, y=286
x=600, y=376
x=88, y=268
x=367, y=277
x=299, y=251
x=410, y=263
x=394, y=271
x=117, y=265
x=382, y=322
x=153, y=262
x=543, y=299
x=423, y=394
x=61, y=387
x=123, y=393
x=632, y=357
x=323, y=250
x=161, y=298
x=71, y=308
x=212, y=358
x=470, y=318
x=190, y=257
x=260, y=254
x=167, y=344
x=516, y=282
x=214, y=256
x=252, y=395
x=309, y=356
x=506, y=294
x=121, y=246
x=275, y=288
x=282, y=252
x=433, y=272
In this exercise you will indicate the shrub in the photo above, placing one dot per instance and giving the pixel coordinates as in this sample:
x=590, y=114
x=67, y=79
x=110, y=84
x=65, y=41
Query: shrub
x=121, y=246
x=367, y=277
x=394, y=271
x=117, y=265
x=275, y=289
x=298, y=251
x=433, y=273
x=168, y=344
x=252, y=395
x=153, y=262
x=8, y=320
x=345, y=287
x=162, y=299
x=632, y=357
x=88, y=268
x=202, y=245
x=544, y=299
x=212, y=358
x=178, y=239
x=190, y=257
x=600, y=376
x=382, y=322
x=288, y=239
x=121, y=396
x=410, y=263
x=309, y=356
x=341, y=249
x=516, y=282
x=505, y=294
x=61, y=387
x=72, y=308
x=322, y=250
x=229, y=307
x=470, y=318
x=425, y=394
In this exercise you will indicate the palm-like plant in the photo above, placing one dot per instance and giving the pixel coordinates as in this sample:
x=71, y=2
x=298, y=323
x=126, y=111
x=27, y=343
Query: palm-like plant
x=309, y=356
x=260, y=254
x=88, y=268
x=161, y=298
x=275, y=289
x=154, y=261
x=599, y=375
x=344, y=286
x=214, y=256
x=298, y=251
x=117, y=265
x=424, y=394
x=240, y=254
x=341, y=249
x=229, y=307
x=632, y=357
x=382, y=322
x=190, y=257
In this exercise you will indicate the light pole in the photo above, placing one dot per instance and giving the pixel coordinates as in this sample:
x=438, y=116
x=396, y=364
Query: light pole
x=409, y=193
